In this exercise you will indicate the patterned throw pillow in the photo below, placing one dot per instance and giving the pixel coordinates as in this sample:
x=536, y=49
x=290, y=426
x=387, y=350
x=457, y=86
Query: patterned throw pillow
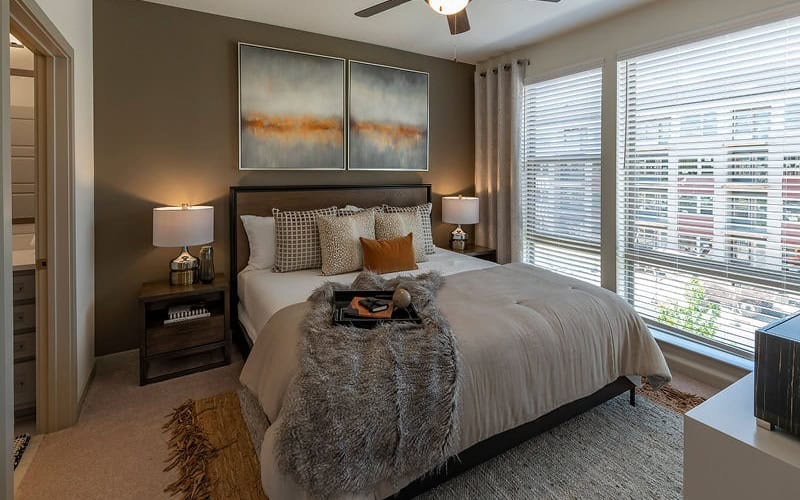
x=297, y=239
x=339, y=240
x=424, y=212
x=397, y=225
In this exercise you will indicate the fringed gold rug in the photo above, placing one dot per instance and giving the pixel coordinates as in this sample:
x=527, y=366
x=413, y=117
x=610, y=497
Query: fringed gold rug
x=669, y=397
x=212, y=443
x=211, y=449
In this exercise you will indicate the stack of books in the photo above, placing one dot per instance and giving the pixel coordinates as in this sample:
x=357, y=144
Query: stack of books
x=369, y=307
x=178, y=314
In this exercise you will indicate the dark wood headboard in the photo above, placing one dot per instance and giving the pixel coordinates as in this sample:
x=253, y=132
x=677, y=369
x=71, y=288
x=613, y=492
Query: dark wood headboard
x=260, y=200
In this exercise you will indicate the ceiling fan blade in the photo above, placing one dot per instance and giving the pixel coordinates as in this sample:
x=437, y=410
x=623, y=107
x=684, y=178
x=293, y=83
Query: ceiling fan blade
x=459, y=22
x=553, y=1
x=381, y=7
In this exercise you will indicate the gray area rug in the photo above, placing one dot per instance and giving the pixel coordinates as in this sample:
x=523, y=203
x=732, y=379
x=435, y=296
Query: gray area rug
x=613, y=451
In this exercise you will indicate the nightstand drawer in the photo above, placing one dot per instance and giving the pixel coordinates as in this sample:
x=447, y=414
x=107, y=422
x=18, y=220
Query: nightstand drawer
x=24, y=384
x=24, y=346
x=184, y=335
x=24, y=317
x=24, y=286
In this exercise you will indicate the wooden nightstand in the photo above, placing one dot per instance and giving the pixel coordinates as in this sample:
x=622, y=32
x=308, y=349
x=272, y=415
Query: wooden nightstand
x=173, y=350
x=484, y=253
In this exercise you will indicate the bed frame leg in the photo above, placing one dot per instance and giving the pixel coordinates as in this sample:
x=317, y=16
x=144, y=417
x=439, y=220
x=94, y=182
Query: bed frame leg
x=633, y=396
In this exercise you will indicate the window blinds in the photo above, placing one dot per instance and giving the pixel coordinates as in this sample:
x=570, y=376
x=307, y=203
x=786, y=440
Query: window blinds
x=709, y=183
x=560, y=175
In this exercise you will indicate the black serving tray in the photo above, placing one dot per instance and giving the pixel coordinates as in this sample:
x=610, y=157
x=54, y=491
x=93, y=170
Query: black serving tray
x=342, y=299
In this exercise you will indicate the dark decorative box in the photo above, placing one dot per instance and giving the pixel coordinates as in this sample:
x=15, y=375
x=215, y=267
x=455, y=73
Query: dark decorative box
x=777, y=387
x=342, y=299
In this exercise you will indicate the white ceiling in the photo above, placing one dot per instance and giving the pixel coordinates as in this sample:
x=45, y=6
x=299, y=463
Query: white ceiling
x=498, y=26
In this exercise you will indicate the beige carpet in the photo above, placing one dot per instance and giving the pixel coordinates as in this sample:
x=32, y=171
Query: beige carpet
x=117, y=449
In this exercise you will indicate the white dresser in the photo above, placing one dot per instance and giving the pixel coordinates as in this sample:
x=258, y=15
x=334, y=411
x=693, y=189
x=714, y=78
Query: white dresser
x=24, y=287
x=727, y=456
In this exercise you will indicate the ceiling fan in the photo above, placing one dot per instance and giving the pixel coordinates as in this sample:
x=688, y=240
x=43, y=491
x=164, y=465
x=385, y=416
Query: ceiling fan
x=455, y=10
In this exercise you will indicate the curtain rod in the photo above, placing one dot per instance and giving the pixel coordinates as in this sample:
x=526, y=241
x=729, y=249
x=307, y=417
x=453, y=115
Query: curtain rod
x=522, y=62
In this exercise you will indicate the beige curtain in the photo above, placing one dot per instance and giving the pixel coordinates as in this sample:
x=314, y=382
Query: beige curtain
x=498, y=101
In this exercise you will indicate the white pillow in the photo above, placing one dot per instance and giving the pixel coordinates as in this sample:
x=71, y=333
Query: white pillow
x=261, y=235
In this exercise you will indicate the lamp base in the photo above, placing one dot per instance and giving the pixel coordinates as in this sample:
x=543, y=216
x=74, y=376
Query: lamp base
x=183, y=269
x=458, y=239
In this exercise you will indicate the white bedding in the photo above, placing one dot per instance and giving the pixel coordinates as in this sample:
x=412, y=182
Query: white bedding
x=262, y=293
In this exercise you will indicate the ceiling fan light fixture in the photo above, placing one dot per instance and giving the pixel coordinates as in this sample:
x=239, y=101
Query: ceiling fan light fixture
x=447, y=7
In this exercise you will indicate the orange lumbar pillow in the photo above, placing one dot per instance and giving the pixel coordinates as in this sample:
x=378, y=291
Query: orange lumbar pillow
x=389, y=256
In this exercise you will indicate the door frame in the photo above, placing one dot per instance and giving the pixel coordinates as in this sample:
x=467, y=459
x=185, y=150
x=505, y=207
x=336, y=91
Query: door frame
x=57, y=399
x=6, y=293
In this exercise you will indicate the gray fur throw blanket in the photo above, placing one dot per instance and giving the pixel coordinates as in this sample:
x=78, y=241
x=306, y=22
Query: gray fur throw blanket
x=367, y=406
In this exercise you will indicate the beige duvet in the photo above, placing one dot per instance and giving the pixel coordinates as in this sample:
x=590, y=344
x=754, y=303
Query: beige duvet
x=530, y=341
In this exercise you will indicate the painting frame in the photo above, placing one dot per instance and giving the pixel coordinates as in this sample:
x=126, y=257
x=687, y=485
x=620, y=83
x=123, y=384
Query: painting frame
x=350, y=63
x=344, y=110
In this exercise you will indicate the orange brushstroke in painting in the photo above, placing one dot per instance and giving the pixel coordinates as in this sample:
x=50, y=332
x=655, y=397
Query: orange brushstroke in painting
x=295, y=128
x=389, y=135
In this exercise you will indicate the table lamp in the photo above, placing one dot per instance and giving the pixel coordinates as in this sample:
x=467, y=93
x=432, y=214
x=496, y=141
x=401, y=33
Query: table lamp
x=459, y=210
x=182, y=227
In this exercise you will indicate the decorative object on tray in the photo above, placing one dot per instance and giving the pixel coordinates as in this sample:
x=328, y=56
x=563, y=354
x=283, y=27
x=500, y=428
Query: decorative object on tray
x=291, y=110
x=388, y=118
x=207, y=264
x=401, y=298
x=389, y=256
x=375, y=421
x=178, y=314
x=459, y=210
x=777, y=365
x=182, y=227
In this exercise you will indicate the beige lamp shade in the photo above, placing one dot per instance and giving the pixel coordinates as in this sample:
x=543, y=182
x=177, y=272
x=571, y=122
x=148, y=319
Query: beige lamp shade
x=183, y=226
x=460, y=210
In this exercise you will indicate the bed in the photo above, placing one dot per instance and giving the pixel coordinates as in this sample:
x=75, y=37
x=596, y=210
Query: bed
x=262, y=293
x=517, y=385
x=253, y=289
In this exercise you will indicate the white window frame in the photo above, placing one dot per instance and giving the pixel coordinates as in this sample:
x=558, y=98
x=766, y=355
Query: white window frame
x=750, y=137
x=584, y=250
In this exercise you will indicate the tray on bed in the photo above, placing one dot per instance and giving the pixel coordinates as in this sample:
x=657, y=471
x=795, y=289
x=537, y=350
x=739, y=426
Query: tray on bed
x=342, y=298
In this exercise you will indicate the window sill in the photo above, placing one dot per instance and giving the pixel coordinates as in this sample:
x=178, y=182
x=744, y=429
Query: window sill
x=703, y=350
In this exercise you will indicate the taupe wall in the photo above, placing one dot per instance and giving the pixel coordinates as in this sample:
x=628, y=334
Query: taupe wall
x=166, y=132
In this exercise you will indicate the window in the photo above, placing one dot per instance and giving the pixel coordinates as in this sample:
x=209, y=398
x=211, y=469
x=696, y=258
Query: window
x=708, y=215
x=560, y=175
x=694, y=204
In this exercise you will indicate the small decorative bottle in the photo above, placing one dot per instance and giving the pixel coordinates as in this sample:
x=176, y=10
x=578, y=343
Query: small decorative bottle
x=207, y=264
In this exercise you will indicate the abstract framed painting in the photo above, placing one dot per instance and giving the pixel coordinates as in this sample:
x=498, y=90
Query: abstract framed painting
x=388, y=118
x=292, y=109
